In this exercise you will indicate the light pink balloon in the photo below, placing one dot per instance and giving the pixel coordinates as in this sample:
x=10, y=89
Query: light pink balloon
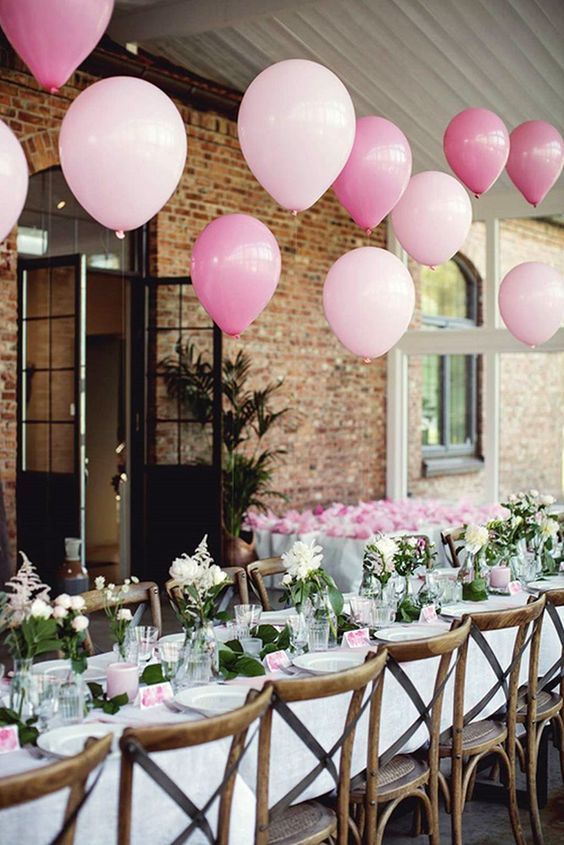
x=368, y=298
x=235, y=269
x=432, y=219
x=377, y=171
x=53, y=37
x=535, y=159
x=476, y=145
x=13, y=180
x=296, y=129
x=123, y=149
x=531, y=302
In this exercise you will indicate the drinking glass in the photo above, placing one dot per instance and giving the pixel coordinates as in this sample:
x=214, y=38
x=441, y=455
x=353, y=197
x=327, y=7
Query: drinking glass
x=251, y=645
x=247, y=616
x=526, y=566
x=297, y=626
x=45, y=697
x=146, y=637
x=70, y=705
x=197, y=668
x=171, y=657
x=382, y=613
x=318, y=635
x=361, y=609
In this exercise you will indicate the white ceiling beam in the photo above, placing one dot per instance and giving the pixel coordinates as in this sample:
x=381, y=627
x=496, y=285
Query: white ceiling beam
x=472, y=342
x=504, y=204
x=181, y=18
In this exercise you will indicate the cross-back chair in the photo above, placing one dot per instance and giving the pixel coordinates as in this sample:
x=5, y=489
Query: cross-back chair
x=472, y=738
x=237, y=587
x=71, y=773
x=449, y=540
x=137, y=744
x=311, y=822
x=141, y=595
x=393, y=776
x=261, y=569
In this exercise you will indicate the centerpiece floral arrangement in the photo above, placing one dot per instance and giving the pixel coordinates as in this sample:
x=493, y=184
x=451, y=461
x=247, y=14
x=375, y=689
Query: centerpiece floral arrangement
x=26, y=614
x=72, y=629
x=198, y=582
x=378, y=564
x=119, y=616
x=399, y=556
x=473, y=572
x=532, y=527
x=307, y=586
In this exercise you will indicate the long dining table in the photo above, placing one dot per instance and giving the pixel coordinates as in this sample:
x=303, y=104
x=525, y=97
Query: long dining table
x=199, y=770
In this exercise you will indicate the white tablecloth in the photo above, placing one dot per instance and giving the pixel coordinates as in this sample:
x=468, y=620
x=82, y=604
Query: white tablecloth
x=199, y=770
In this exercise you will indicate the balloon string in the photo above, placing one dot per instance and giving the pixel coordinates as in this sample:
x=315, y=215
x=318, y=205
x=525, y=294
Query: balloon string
x=296, y=227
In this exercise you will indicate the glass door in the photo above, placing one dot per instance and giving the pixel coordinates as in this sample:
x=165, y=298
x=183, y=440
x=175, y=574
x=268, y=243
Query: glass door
x=51, y=409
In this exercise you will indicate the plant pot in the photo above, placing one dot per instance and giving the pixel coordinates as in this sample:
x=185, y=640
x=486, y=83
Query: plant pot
x=236, y=551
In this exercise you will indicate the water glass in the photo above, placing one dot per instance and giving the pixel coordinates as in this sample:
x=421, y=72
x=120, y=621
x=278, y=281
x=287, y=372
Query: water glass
x=146, y=637
x=70, y=704
x=251, y=645
x=197, y=668
x=318, y=635
x=247, y=616
x=361, y=609
x=298, y=629
x=171, y=657
x=382, y=613
x=44, y=693
x=127, y=652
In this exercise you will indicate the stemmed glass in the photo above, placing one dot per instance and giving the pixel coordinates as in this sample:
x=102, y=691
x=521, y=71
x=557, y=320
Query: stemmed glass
x=247, y=616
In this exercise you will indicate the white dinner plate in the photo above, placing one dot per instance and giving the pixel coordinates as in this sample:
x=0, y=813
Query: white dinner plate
x=212, y=700
x=276, y=617
x=457, y=611
x=69, y=740
x=325, y=662
x=95, y=671
x=173, y=638
x=555, y=582
x=411, y=632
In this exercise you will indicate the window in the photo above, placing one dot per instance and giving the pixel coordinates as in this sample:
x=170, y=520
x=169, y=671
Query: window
x=449, y=299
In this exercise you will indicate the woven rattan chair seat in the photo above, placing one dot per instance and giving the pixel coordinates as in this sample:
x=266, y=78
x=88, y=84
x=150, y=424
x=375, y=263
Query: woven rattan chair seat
x=403, y=771
x=309, y=822
x=397, y=768
x=477, y=733
x=547, y=702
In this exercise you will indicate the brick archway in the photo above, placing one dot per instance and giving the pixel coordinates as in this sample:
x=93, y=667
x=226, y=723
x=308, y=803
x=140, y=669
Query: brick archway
x=41, y=150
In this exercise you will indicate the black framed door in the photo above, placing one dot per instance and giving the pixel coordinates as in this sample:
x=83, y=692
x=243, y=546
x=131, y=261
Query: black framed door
x=50, y=487
x=176, y=499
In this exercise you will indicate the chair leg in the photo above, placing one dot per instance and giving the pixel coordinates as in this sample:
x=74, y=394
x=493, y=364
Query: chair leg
x=531, y=774
x=558, y=733
x=456, y=800
x=508, y=757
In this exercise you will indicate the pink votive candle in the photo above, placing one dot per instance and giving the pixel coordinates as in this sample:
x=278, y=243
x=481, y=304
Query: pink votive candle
x=120, y=678
x=500, y=576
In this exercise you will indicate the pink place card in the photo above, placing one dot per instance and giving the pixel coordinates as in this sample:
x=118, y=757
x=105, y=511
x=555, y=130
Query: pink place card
x=9, y=738
x=155, y=694
x=277, y=660
x=428, y=614
x=514, y=587
x=357, y=639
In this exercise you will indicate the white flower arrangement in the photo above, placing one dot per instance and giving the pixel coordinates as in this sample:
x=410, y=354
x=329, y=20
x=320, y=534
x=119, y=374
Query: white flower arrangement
x=199, y=581
x=26, y=614
x=476, y=538
x=301, y=560
x=306, y=579
x=72, y=625
x=379, y=557
x=119, y=617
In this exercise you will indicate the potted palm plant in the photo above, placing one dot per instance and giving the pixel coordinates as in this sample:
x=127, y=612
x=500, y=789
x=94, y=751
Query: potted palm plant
x=247, y=417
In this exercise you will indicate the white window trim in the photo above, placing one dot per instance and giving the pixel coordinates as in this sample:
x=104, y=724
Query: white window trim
x=490, y=340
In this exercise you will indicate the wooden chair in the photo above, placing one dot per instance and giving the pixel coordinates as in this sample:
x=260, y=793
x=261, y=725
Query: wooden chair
x=311, y=822
x=471, y=739
x=395, y=776
x=137, y=743
x=142, y=594
x=71, y=773
x=237, y=587
x=449, y=540
x=261, y=569
x=538, y=706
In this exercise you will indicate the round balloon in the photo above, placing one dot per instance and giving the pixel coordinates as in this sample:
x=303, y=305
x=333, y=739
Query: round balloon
x=296, y=129
x=531, y=302
x=123, y=149
x=13, y=180
x=54, y=36
x=476, y=145
x=432, y=219
x=377, y=171
x=368, y=298
x=235, y=269
x=535, y=159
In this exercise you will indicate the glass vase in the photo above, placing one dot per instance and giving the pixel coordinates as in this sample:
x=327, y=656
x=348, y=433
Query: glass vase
x=20, y=688
x=202, y=639
x=370, y=587
x=72, y=698
x=321, y=608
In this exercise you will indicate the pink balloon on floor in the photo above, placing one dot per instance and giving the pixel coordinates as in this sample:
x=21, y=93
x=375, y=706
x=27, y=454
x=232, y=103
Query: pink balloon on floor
x=476, y=145
x=368, y=298
x=235, y=270
x=531, y=302
x=123, y=148
x=13, y=180
x=377, y=171
x=432, y=219
x=53, y=37
x=535, y=159
x=296, y=128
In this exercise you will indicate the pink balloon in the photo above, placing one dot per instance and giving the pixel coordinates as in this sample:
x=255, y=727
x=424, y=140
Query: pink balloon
x=535, y=159
x=433, y=217
x=296, y=129
x=476, y=145
x=13, y=180
x=123, y=149
x=235, y=269
x=368, y=298
x=376, y=173
x=531, y=302
x=54, y=36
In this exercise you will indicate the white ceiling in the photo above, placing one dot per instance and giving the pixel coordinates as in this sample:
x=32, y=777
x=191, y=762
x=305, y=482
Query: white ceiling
x=417, y=62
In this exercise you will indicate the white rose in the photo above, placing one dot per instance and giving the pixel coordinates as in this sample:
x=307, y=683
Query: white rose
x=100, y=582
x=124, y=615
x=387, y=547
x=549, y=528
x=60, y=612
x=77, y=603
x=185, y=570
x=40, y=609
x=547, y=500
x=513, y=498
x=80, y=623
x=217, y=574
x=534, y=494
x=287, y=579
x=134, y=579
x=63, y=600
x=476, y=538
